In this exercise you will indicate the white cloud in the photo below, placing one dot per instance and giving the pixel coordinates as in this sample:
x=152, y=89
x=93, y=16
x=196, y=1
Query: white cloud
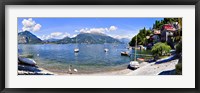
x=55, y=35
x=65, y=35
x=37, y=27
x=77, y=31
x=122, y=36
x=28, y=22
x=74, y=35
x=97, y=30
x=112, y=28
x=30, y=25
x=92, y=30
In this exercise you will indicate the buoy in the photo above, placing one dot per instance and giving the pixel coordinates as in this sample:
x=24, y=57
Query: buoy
x=75, y=70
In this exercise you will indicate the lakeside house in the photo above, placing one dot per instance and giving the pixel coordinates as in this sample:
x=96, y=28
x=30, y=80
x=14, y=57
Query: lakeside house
x=156, y=36
x=165, y=34
x=140, y=47
x=168, y=32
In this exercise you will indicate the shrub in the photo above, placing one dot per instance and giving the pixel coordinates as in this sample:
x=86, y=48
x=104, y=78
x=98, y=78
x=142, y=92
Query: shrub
x=179, y=69
x=178, y=47
x=160, y=49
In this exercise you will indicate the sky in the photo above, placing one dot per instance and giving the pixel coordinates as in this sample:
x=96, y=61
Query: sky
x=58, y=28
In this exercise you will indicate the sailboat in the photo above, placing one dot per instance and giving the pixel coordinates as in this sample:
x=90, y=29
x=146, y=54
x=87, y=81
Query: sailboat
x=125, y=53
x=134, y=64
x=76, y=49
x=106, y=49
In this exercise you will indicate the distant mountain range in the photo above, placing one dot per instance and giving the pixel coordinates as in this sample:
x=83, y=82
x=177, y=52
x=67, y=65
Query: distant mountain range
x=27, y=37
x=51, y=40
x=124, y=40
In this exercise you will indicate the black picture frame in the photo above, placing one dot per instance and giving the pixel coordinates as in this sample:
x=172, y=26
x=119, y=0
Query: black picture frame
x=3, y=3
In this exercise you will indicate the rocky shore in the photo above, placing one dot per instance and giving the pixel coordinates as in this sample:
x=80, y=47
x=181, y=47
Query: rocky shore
x=32, y=70
x=25, y=68
x=166, y=68
x=145, y=69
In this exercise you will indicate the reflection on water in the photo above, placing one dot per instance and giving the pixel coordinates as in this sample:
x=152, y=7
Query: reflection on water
x=90, y=58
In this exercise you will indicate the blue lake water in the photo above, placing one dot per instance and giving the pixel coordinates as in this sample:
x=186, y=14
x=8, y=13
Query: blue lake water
x=90, y=58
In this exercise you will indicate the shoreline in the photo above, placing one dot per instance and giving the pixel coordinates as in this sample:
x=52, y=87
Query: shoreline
x=32, y=70
x=145, y=69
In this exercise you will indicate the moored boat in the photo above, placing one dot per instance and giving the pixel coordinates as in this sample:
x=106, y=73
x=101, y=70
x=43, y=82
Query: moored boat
x=124, y=53
x=27, y=61
x=134, y=64
x=105, y=50
x=76, y=50
x=140, y=59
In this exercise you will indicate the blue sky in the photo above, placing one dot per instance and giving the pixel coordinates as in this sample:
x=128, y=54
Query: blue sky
x=46, y=28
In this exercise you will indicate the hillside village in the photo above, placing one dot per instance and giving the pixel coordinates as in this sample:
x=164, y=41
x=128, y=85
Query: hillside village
x=167, y=31
x=163, y=40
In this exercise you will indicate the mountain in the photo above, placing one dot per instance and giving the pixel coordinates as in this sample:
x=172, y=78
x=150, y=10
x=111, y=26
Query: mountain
x=27, y=37
x=90, y=38
x=124, y=40
x=63, y=41
x=50, y=40
x=95, y=38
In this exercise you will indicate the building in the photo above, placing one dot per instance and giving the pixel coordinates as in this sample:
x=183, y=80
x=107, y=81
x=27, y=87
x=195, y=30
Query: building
x=168, y=31
x=165, y=34
x=156, y=36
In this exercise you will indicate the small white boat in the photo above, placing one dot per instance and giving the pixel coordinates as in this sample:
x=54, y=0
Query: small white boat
x=124, y=53
x=106, y=50
x=134, y=64
x=27, y=61
x=76, y=50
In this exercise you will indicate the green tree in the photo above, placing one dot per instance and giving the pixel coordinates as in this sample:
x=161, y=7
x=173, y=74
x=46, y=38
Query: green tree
x=178, y=69
x=170, y=20
x=178, y=35
x=178, y=47
x=141, y=37
x=160, y=49
x=159, y=24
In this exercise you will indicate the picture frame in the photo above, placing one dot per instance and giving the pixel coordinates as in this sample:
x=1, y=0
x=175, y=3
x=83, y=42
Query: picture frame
x=98, y=2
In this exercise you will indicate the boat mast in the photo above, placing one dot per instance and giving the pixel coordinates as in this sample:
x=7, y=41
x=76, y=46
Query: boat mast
x=105, y=43
x=135, y=48
x=76, y=42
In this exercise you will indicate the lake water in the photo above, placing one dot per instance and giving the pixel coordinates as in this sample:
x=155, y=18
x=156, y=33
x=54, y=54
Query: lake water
x=90, y=58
